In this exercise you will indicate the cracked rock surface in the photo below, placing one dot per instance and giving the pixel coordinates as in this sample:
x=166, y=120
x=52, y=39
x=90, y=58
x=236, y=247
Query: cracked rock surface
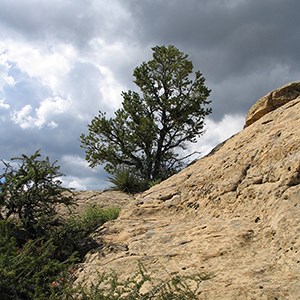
x=234, y=214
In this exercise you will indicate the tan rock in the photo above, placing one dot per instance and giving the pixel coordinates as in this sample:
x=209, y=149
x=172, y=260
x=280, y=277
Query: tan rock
x=273, y=100
x=102, y=199
x=234, y=214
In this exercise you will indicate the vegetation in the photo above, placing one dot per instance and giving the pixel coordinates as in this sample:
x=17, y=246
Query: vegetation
x=37, y=247
x=31, y=193
x=126, y=181
x=139, y=148
x=74, y=235
x=146, y=134
x=141, y=286
x=38, y=250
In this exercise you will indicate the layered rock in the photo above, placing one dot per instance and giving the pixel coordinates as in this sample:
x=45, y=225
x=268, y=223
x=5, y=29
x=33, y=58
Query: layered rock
x=234, y=214
x=273, y=100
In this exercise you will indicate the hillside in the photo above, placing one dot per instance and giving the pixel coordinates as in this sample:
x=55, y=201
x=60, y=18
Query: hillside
x=234, y=214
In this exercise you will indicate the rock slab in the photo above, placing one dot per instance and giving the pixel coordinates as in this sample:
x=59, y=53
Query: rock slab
x=234, y=214
x=273, y=100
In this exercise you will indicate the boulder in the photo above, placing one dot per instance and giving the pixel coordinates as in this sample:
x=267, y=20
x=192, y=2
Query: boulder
x=272, y=101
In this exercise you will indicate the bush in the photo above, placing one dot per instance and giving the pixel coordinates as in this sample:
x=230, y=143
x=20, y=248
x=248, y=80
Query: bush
x=110, y=287
x=124, y=180
x=27, y=272
x=33, y=270
x=31, y=193
x=74, y=234
x=36, y=247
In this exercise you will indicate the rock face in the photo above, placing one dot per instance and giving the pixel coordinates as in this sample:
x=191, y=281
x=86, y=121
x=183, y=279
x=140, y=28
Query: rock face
x=273, y=100
x=102, y=199
x=234, y=214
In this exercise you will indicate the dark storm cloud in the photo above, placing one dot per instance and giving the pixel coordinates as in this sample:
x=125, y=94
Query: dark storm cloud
x=63, y=61
x=75, y=22
x=40, y=21
x=231, y=42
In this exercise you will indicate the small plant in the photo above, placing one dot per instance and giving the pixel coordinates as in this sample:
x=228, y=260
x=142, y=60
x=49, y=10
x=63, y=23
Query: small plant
x=124, y=180
x=140, y=286
x=74, y=234
x=91, y=218
x=154, y=182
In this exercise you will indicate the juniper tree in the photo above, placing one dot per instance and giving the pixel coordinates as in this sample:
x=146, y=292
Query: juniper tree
x=146, y=134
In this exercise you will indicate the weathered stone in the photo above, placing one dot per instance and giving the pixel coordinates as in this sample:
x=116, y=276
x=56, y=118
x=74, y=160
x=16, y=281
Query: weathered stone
x=273, y=100
x=102, y=199
x=234, y=214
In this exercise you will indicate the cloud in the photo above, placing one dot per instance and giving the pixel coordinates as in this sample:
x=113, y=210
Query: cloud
x=63, y=61
x=5, y=79
x=46, y=63
x=74, y=22
x=23, y=117
x=217, y=132
x=3, y=108
x=83, y=177
x=44, y=115
x=243, y=48
x=4, y=105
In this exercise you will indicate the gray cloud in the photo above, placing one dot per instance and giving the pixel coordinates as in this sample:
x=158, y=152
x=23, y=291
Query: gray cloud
x=74, y=22
x=63, y=61
x=229, y=41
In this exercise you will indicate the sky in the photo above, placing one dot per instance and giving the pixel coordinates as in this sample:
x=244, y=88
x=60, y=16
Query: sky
x=63, y=61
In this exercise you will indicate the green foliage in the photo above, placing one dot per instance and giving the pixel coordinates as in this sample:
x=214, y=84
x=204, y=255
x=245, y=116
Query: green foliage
x=33, y=270
x=124, y=180
x=74, y=234
x=110, y=287
x=146, y=133
x=31, y=193
x=26, y=272
x=154, y=182
x=36, y=247
x=91, y=218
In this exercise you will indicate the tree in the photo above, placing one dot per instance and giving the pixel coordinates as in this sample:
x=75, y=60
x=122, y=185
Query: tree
x=146, y=134
x=32, y=192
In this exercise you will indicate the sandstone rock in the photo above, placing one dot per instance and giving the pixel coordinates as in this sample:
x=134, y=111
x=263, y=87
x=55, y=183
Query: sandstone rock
x=273, y=100
x=234, y=214
x=102, y=199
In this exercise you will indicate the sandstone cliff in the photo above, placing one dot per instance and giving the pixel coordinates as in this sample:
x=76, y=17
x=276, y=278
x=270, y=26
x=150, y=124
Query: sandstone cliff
x=234, y=213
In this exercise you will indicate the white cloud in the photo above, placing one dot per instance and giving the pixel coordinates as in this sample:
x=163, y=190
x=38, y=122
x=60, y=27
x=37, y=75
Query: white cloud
x=76, y=162
x=50, y=108
x=23, y=117
x=62, y=61
x=4, y=105
x=79, y=175
x=73, y=183
x=217, y=132
x=5, y=78
x=44, y=115
x=47, y=63
x=86, y=183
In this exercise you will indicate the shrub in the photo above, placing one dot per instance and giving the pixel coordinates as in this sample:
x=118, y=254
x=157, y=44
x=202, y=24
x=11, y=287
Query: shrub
x=74, y=234
x=36, y=247
x=31, y=193
x=27, y=272
x=33, y=270
x=110, y=287
x=124, y=180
